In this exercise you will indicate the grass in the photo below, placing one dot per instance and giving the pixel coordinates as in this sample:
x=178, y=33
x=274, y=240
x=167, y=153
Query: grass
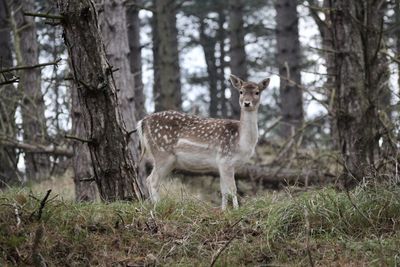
x=321, y=227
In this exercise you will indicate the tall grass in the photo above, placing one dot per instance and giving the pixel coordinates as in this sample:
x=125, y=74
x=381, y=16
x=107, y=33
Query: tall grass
x=319, y=227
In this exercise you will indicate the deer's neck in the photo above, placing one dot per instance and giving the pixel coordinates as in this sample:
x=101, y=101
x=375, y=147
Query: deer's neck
x=248, y=131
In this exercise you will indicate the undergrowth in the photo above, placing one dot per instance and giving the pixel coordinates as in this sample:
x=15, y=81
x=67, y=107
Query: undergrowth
x=319, y=227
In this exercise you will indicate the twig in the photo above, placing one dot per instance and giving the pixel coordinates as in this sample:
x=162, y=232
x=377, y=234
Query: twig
x=15, y=80
x=226, y=244
x=77, y=138
x=42, y=204
x=31, y=67
x=41, y=15
x=90, y=179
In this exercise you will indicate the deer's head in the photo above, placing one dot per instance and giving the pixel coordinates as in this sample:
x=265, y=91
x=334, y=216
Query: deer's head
x=249, y=92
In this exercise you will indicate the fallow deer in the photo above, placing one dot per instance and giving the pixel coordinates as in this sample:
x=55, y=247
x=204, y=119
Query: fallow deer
x=179, y=141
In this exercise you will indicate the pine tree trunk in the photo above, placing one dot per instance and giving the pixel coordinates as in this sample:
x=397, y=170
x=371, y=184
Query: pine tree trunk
x=8, y=102
x=85, y=186
x=135, y=59
x=208, y=44
x=360, y=80
x=168, y=58
x=221, y=34
x=288, y=59
x=113, y=164
x=113, y=25
x=237, y=52
x=32, y=104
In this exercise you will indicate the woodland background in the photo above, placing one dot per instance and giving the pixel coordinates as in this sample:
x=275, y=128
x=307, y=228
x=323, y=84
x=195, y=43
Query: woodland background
x=77, y=75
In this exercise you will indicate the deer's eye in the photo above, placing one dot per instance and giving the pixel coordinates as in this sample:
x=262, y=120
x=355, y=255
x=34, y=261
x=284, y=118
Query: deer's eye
x=241, y=92
x=257, y=93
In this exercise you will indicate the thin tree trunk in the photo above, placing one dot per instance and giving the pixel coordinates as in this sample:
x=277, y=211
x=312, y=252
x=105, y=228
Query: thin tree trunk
x=156, y=63
x=288, y=59
x=208, y=44
x=221, y=35
x=237, y=52
x=397, y=20
x=168, y=58
x=113, y=164
x=8, y=102
x=85, y=187
x=32, y=104
x=135, y=59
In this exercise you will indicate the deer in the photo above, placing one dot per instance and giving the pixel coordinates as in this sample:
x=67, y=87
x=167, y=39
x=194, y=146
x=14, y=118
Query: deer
x=176, y=140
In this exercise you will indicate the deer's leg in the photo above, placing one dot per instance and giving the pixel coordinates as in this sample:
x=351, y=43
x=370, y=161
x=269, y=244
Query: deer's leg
x=228, y=185
x=163, y=164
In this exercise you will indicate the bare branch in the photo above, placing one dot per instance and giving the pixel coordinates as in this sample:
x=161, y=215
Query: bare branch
x=36, y=148
x=41, y=15
x=31, y=67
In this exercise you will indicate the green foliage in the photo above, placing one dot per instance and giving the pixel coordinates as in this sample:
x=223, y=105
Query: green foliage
x=356, y=228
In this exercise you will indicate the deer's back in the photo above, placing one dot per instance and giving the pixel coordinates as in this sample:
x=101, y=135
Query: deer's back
x=172, y=130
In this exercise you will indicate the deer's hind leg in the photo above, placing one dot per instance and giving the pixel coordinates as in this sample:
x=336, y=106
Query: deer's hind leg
x=163, y=164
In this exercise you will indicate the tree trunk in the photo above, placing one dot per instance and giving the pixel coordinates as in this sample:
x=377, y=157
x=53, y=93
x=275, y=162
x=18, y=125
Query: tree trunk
x=135, y=59
x=85, y=187
x=168, y=58
x=114, y=28
x=208, y=44
x=360, y=80
x=288, y=59
x=221, y=34
x=113, y=164
x=237, y=52
x=32, y=104
x=8, y=102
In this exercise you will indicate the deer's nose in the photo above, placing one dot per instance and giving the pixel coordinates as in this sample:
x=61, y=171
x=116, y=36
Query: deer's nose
x=247, y=104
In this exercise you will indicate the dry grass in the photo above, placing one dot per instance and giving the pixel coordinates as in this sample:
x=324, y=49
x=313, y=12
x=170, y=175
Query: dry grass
x=324, y=227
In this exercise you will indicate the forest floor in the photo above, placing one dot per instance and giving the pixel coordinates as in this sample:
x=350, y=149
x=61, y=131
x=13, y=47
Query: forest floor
x=319, y=227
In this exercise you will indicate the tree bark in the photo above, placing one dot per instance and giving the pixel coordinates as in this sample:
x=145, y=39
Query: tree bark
x=208, y=44
x=360, y=80
x=85, y=186
x=169, y=97
x=32, y=105
x=8, y=102
x=237, y=52
x=113, y=164
x=288, y=59
x=222, y=85
x=135, y=59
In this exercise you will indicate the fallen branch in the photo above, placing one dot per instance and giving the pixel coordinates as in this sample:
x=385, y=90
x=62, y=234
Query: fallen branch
x=37, y=148
x=270, y=178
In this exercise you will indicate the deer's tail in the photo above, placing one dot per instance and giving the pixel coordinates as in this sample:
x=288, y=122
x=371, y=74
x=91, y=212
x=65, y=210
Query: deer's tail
x=142, y=142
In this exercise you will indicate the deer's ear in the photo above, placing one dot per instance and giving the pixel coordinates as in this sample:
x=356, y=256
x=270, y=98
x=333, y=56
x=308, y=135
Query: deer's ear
x=236, y=81
x=263, y=84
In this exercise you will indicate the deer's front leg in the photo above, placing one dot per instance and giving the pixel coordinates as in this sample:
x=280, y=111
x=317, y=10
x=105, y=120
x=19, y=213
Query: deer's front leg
x=228, y=185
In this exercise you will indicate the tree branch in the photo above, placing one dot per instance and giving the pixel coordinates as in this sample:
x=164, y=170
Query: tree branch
x=37, y=148
x=41, y=15
x=31, y=67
